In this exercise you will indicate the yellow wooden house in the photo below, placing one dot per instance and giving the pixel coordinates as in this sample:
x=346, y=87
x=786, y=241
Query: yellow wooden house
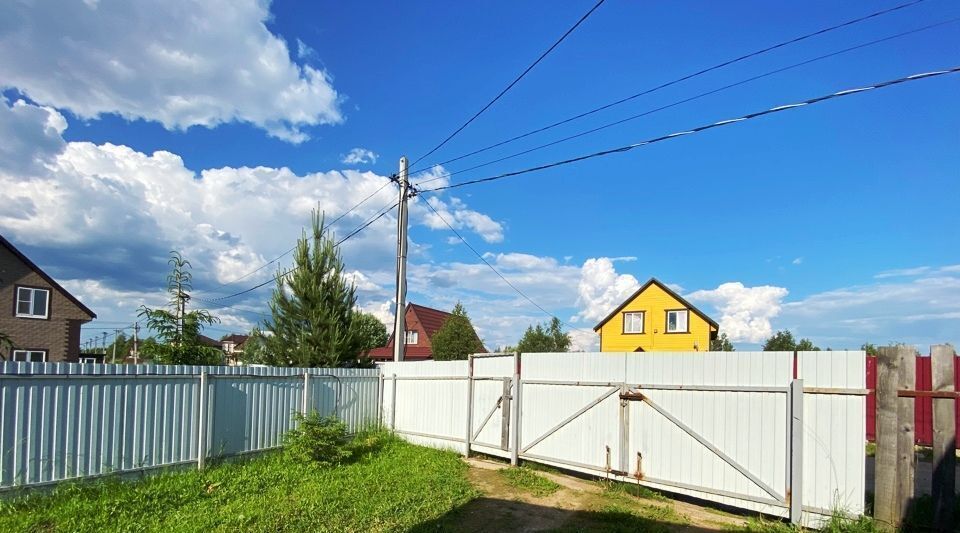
x=656, y=319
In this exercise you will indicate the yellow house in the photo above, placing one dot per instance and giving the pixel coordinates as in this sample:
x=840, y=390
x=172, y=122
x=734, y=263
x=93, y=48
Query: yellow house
x=656, y=319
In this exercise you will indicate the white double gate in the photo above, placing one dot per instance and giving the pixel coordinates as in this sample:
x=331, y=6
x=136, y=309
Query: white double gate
x=735, y=428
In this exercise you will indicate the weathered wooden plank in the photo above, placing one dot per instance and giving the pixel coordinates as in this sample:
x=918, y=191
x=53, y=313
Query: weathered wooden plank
x=906, y=435
x=885, y=504
x=944, y=437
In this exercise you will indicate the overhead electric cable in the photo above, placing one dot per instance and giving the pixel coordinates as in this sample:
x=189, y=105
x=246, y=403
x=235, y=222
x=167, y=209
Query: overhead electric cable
x=392, y=179
x=699, y=129
x=514, y=82
x=676, y=81
x=497, y=272
x=338, y=243
x=685, y=100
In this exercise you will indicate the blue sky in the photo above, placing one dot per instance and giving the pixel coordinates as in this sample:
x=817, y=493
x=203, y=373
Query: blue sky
x=213, y=129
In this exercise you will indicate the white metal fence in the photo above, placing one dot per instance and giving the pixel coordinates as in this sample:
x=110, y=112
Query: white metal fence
x=750, y=429
x=63, y=420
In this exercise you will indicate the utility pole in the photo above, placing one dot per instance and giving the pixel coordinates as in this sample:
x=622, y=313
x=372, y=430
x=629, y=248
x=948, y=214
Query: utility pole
x=116, y=337
x=104, y=344
x=136, y=330
x=399, y=324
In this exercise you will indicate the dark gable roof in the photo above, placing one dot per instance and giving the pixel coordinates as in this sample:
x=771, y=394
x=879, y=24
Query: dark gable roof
x=431, y=319
x=667, y=290
x=33, y=266
x=235, y=338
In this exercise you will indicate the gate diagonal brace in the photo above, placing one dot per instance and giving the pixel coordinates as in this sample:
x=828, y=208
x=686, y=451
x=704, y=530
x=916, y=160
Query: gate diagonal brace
x=487, y=418
x=571, y=418
x=639, y=396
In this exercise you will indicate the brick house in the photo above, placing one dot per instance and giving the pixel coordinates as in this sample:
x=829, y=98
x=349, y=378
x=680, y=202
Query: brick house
x=421, y=324
x=43, y=319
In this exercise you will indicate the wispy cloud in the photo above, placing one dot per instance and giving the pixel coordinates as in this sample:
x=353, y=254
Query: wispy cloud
x=359, y=156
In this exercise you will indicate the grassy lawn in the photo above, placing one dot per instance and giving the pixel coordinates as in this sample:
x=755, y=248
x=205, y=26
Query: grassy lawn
x=390, y=485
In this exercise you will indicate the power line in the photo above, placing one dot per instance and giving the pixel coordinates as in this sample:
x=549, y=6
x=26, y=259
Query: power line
x=689, y=99
x=497, y=272
x=338, y=243
x=626, y=148
x=514, y=82
x=392, y=179
x=678, y=80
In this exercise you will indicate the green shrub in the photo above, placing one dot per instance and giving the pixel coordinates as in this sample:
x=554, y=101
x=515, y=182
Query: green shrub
x=320, y=440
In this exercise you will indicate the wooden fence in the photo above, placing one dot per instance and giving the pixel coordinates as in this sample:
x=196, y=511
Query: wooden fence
x=923, y=407
x=897, y=396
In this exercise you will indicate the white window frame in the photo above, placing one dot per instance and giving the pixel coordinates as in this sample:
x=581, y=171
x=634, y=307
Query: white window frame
x=686, y=321
x=88, y=360
x=643, y=319
x=411, y=336
x=29, y=356
x=32, y=302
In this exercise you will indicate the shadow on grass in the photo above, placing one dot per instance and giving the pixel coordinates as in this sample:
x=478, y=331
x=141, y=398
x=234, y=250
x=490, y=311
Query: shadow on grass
x=491, y=514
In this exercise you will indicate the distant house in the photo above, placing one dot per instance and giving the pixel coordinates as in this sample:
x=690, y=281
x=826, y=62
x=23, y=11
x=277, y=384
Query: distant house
x=656, y=319
x=44, y=319
x=422, y=323
x=232, y=346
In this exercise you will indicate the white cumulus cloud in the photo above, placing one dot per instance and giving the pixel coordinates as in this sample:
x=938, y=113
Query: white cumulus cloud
x=601, y=289
x=745, y=312
x=177, y=62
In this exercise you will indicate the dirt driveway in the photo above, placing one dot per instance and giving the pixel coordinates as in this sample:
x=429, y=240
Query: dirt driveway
x=575, y=505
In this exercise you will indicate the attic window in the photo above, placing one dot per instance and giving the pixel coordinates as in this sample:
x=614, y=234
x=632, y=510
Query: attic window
x=677, y=321
x=633, y=322
x=33, y=303
x=410, y=337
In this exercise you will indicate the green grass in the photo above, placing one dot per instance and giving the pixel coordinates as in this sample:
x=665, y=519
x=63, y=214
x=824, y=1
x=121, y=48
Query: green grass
x=389, y=485
x=837, y=524
x=631, y=489
x=527, y=480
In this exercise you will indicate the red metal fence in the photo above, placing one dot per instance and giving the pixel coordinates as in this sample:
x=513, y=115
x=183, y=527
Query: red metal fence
x=923, y=407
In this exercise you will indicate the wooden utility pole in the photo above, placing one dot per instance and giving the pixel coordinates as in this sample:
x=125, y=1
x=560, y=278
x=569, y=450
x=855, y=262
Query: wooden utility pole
x=136, y=330
x=104, y=344
x=399, y=324
x=116, y=337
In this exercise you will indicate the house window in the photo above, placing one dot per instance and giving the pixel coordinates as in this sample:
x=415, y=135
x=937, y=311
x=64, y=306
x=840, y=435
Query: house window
x=633, y=322
x=32, y=303
x=87, y=360
x=410, y=337
x=677, y=321
x=32, y=356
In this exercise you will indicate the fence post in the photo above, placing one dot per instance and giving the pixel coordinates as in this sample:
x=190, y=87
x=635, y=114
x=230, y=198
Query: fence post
x=505, y=414
x=944, y=436
x=906, y=436
x=795, y=490
x=515, y=419
x=624, y=433
x=886, y=488
x=380, y=398
x=393, y=404
x=306, y=394
x=202, y=430
x=469, y=436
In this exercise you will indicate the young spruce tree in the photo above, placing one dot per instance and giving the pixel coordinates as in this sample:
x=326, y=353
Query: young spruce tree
x=456, y=338
x=312, y=308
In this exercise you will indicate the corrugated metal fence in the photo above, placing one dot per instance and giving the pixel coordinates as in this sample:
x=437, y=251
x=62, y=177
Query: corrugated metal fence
x=65, y=420
x=777, y=432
